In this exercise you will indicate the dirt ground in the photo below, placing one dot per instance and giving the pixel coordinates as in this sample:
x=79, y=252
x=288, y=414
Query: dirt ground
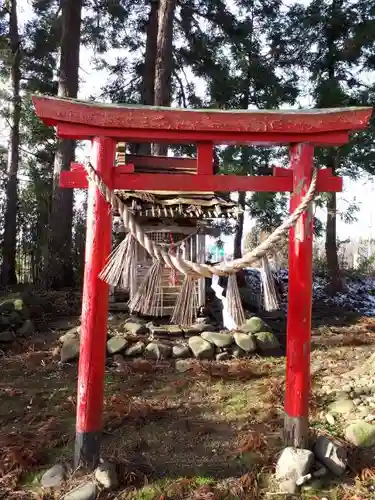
x=211, y=433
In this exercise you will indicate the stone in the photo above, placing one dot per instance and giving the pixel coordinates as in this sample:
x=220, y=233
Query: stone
x=341, y=407
x=222, y=356
x=174, y=331
x=7, y=336
x=292, y=464
x=158, y=350
x=332, y=454
x=135, y=349
x=204, y=320
x=254, y=325
x=370, y=418
x=201, y=348
x=116, y=344
x=199, y=328
x=159, y=331
x=53, y=477
x=181, y=351
x=135, y=319
x=27, y=329
x=183, y=365
x=135, y=328
x=71, y=334
x=330, y=419
x=6, y=306
x=69, y=350
x=18, y=304
x=219, y=339
x=15, y=319
x=245, y=342
x=106, y=475
x=288, y=486
x=87, y=491
x=266, y=341
x=238, y=352
x=314, y=485
x=361, y=434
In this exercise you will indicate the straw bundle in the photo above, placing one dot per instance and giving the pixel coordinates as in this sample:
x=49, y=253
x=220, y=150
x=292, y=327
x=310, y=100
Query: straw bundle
x=186, y=308
x=270, y=300
x=121, y=267
x=148, y=299
x=234, y=303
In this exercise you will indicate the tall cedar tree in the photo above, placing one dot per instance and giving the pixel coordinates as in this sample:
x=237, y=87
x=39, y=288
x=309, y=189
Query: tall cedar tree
x=42, y=35
x=59, y=269
x=164, y=61
x=330, y=39
x=242, y=73
x=8, y=268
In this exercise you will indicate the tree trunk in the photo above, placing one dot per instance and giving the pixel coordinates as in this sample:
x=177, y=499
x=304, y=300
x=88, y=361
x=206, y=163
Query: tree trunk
x=336, y=283
x=8, y=268
x=148, y=73
x=60, y=270
x=164, y=61
x=237, y=249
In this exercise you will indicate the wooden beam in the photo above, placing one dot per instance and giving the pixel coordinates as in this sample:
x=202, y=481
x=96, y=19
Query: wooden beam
x=205, y=158
x=203, y=183
x=54, y=110
x=167, y=163
x=87, y=132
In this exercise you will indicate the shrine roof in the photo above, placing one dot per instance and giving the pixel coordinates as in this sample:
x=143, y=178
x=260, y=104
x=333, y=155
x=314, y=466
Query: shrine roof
x=179, y=204
x=54, y=111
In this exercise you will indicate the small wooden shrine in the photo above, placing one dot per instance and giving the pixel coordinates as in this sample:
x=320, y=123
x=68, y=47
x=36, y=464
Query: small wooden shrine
x=170, y=218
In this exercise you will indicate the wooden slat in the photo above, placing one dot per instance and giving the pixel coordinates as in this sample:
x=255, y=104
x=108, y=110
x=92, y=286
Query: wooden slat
x=163, y=164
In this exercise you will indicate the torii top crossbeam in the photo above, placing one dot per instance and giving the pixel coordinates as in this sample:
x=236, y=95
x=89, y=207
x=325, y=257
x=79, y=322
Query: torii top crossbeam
x=84, y=120
x=105, y=125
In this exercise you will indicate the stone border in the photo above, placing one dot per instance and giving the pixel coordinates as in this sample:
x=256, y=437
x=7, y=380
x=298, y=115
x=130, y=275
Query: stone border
x=200, y=341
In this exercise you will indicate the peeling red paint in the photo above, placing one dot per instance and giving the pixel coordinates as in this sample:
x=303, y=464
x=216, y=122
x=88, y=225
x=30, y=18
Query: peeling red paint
x=300, y=290
x=53, y=110
x=95, y=296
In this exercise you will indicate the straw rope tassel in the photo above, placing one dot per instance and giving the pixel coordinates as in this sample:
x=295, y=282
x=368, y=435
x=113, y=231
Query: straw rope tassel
x=270, y=300
x=195, y=268
x=186, y=308
x=120, y=269
x=234, y=302
x=148, y=299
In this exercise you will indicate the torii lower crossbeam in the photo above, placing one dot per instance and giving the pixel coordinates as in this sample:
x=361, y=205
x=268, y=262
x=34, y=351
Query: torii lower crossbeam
x=104, y=125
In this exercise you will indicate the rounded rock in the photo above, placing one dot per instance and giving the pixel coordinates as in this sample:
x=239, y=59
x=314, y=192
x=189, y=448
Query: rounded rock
x=201, y=348
x=245, y=342
x=53, y=477
x=219, y=339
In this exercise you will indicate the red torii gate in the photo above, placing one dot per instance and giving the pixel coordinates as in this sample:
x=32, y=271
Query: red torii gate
x=105, y=125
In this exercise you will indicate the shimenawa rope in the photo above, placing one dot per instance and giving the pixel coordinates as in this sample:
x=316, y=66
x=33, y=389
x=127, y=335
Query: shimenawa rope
x=196, y=269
